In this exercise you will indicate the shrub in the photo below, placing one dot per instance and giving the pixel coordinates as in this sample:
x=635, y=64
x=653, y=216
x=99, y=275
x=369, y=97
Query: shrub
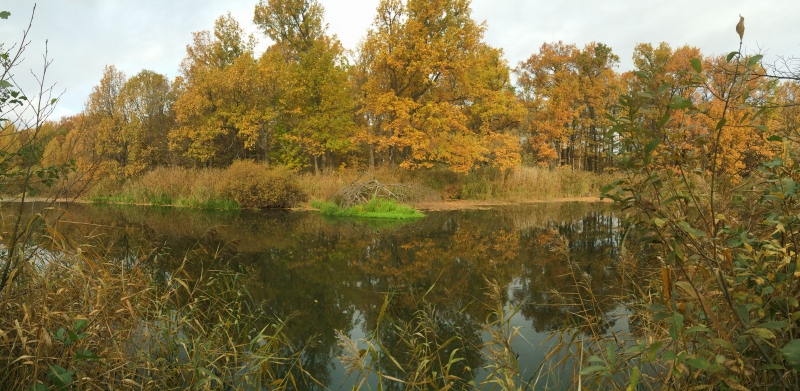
x=254, y=185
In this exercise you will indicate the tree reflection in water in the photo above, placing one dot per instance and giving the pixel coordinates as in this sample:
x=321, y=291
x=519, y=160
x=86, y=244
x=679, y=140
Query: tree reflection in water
x=335, y=275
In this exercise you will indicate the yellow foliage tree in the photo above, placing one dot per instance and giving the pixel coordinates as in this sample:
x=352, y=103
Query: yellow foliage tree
x=568, y=94
x=431, y=92
x=223, y=110
x=315, y=109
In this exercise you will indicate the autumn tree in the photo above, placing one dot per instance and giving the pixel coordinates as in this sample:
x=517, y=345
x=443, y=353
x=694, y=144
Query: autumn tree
x=222, y=109
x=315, y=110
x=432, y=92
x=743, y=146
x=787, y=98
x=682, y=78
x=146, y=104
x=103, y=142
x=123, y=130
x=569, y=94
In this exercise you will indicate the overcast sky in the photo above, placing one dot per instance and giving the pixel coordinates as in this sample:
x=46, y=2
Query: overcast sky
x=86, y=35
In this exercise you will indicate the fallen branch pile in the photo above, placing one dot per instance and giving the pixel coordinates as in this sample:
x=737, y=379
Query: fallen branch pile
x=361, y=191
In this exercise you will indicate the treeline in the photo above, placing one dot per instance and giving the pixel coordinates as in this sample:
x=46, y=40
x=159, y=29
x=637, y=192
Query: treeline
x=423, y=90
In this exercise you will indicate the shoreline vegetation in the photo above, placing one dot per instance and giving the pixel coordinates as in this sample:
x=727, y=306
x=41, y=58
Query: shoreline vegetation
x=376, y=208
x=248, y=185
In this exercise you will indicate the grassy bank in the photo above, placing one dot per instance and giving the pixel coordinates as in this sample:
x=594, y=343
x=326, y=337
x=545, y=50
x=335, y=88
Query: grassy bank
x=244, y=184
x=252, y=185
x=377, y=208
x=525, y=183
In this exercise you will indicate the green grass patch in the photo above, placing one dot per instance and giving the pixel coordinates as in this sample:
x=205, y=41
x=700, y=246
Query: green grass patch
x=160, y=200
x=165, y=200
x=376, y=208
x=212, y=204
x=114, y=199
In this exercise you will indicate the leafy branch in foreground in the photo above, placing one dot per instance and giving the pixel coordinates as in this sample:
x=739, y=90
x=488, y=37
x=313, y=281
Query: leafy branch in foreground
x=715, y=289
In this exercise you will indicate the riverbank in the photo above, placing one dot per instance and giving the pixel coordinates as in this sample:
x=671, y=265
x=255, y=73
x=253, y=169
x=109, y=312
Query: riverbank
x=253, y=185
x=485, y=204
x=428, y=206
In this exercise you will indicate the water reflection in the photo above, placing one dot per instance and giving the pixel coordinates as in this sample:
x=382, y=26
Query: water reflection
x=334, y=275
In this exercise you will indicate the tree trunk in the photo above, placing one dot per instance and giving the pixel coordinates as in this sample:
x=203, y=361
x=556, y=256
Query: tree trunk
x=371, y=157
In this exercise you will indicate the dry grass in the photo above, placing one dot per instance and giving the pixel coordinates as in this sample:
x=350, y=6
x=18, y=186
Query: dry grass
x=416, y=351
x=540, y=183
x=243, y=184
x=74, y=318
x=258, y=186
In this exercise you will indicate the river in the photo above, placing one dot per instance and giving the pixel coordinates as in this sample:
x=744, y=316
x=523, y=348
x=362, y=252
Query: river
x=328, y=275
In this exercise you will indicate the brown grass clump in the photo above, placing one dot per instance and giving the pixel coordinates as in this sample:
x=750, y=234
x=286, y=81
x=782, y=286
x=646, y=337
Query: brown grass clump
x=254, y=185
x=78, y=319
x=542, y=183
x=524, y=183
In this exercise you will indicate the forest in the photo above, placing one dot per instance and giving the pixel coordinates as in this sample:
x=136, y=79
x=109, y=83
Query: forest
x=686, y=277
x=422, y=91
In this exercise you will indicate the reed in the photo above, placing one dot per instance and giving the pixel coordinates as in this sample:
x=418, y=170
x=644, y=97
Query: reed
x=75, y=318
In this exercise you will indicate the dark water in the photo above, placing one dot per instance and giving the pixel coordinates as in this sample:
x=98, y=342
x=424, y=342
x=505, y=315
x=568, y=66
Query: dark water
x=334, y=274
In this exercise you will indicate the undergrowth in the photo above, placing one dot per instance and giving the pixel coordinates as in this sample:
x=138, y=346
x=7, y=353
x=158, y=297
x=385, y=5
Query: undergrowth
x=78, y=318
x=376, y=208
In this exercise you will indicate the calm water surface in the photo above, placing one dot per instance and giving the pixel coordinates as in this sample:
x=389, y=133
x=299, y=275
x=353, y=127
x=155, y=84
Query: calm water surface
x=334, y=274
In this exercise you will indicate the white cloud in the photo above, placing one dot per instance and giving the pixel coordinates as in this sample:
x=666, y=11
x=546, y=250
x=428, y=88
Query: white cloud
x=86, y=35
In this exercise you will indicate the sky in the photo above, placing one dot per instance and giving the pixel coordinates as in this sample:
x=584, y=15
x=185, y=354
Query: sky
x=83, y=36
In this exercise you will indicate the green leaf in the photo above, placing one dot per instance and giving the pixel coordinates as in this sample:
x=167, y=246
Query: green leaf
x=5, y=84
x=679, y=103
x=84, y=354
x=592, y=369
x=658, y=316
x=761, y=333
x=754, y=60
x=664, y=87
x=774, y=325
x=611, y=350
x=642, y=75
x=664, y=119
x=39, y=386
x=673, y=199
x=5, y=14
x=61, y=377
x=79, y=324
x=659, y=222
x=72, y=336
x=763, y=128
x=695, y=233
x=697, y=329
x=791, y=352
x=596, y=359
x=775, y=137
x=696, y=65
x=651, y=146
x=634, y=380
x=699, y=363
x=730, y=57
x=60, y=334
x=721, y=123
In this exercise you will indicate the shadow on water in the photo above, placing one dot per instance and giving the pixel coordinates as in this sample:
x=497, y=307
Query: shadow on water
x=331, y=275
